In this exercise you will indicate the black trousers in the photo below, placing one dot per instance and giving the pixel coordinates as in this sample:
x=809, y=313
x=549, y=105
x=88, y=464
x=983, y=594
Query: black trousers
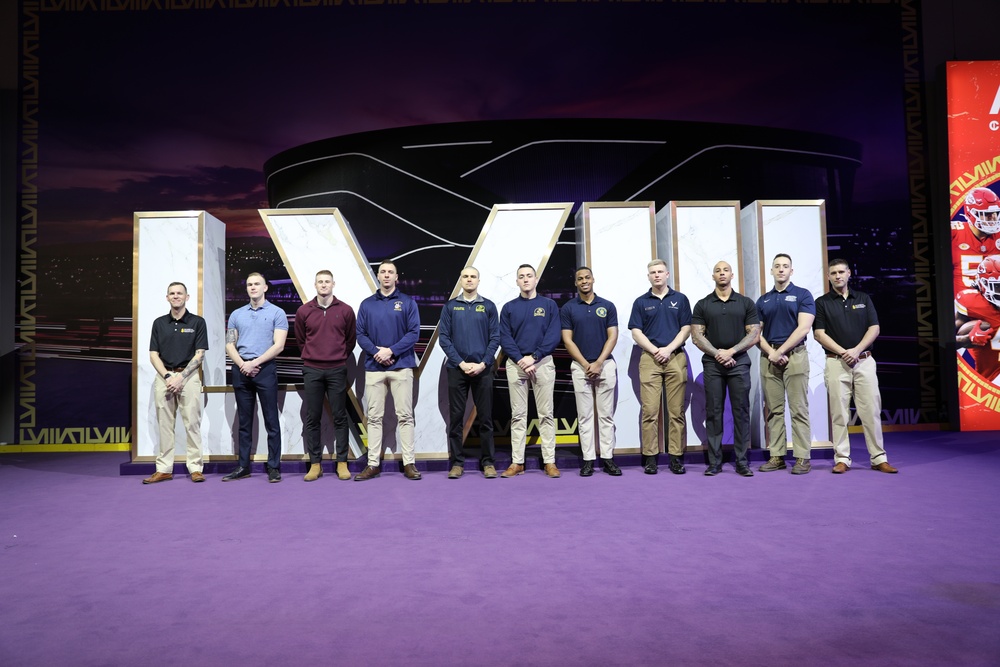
x=481, y=386
x=247, y=390
x=719, y=381
x=330, y=383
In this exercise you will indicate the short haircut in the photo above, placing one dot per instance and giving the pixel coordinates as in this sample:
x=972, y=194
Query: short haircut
x=782, y=254
x=261, y=275
x=656, y=262
x=325, y=272
x=838, y=261
x=471, y=267
x=527, y=266
x=388, y=261
x=177, y=283
x=583, y=268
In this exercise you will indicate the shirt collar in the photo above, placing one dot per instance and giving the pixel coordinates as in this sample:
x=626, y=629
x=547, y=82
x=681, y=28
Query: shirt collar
x=788, y=288
x=263, y=304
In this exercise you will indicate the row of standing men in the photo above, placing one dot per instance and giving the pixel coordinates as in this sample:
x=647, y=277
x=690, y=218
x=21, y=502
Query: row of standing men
x=724, y=325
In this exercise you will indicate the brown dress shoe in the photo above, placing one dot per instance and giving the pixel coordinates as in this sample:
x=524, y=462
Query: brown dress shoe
x=197, y=477
x=158, y=477
x=885, y=467
x=514, y=469
x=456, y=472
x=315, y=472
x=410, y=472
x=840, y=468
x=369, y=472
x=343, y=472
x=552, y=471
x=489, y=472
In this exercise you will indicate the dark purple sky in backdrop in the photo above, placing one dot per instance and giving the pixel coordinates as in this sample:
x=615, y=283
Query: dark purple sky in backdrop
x=176, y=110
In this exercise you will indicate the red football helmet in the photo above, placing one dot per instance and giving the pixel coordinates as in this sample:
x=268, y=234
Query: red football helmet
x=982, y=209
x=988, y=279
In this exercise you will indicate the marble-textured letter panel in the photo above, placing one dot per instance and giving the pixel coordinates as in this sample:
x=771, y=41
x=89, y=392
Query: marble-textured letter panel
x=617, y=241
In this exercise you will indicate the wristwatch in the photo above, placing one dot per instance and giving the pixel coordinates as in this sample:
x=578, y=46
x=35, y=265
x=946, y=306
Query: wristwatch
x=167, y=376
x=534, y=356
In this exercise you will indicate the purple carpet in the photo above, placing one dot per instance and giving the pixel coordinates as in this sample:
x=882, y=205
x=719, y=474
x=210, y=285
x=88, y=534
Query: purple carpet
x=856, y=569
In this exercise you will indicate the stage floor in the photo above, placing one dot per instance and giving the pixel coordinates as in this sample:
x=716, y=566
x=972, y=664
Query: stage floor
x=857, y=569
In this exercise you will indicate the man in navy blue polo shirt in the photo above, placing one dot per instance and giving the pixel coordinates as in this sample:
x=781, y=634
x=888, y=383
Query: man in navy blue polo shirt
x=529, y=333
x=589, y=333
x=660, y=323
x=786, y=315
x=469, y=333
x=388, y=329
x=177, y=347
x=847, y=325
x=724, y=325
x=255, y=335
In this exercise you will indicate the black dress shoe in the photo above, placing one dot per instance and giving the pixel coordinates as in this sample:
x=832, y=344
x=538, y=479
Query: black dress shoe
x=650, y=467
x=677, y=465
x=612, y=468
x=239, y=473
x=744, y=471
x=273, y=475
x=587, y=469
x=713, y=470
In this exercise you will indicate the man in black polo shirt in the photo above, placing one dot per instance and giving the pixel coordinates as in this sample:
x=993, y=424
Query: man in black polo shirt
x=176, y=349
x=846, y=325
x=724, y=325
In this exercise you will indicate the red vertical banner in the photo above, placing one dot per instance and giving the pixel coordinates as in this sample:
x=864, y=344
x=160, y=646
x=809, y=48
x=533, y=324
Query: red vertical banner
x=974, y=175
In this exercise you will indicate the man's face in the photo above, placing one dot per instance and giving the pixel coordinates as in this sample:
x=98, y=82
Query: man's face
x=839, y=275
x=584, y=282
x=722, y=274
x=781, y=270
x=256, y=287
x=324, y=284
x=526, y=280
x=469, y=280
x=177, y=296
x=387, y=276
x=658, y=275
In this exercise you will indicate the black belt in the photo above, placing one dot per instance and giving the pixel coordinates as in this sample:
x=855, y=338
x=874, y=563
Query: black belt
x=176, y=369
x=863, y=355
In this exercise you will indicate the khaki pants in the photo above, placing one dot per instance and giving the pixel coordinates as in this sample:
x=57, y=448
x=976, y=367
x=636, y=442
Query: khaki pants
x=542, y=385
x=601, y=390
x=655, y=377
x=791, y=381
x=189, y=404
x=861, y=382
x=400, y=383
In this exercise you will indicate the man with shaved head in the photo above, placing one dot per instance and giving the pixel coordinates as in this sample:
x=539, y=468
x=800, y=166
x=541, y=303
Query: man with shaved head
x=725, y=325
x=469, y=333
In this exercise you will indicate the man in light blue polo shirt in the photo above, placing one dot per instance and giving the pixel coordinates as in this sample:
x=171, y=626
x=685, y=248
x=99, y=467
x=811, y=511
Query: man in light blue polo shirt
x=255, y=335
x=589, y=333
x=786, y=314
